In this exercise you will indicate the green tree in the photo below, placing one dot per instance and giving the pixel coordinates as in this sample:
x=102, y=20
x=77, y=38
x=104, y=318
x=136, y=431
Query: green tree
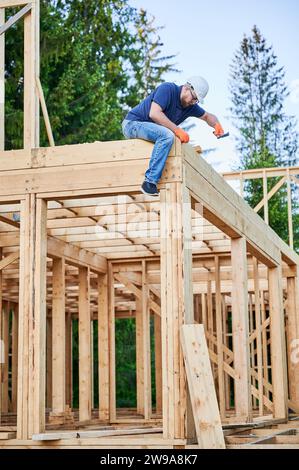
x=267, y=136
x=92, y=61
x=148, y=66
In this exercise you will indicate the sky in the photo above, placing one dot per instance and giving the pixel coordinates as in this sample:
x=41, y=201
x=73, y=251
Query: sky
x=205, y=36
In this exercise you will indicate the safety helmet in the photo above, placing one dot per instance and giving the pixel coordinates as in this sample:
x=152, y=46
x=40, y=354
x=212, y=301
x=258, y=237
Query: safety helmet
x=199, y=85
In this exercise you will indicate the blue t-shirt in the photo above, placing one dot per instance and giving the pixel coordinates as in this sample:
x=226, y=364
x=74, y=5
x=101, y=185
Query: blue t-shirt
x=167, y=95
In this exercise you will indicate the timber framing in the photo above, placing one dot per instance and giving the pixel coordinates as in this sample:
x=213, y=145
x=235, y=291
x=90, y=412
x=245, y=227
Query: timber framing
x=210, y=290
x=90, y=247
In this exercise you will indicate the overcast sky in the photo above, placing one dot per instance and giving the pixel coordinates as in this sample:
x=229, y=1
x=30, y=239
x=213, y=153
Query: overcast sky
x=205, y=36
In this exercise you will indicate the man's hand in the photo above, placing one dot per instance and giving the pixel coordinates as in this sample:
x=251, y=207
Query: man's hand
x=182, y=135
x=218, y=132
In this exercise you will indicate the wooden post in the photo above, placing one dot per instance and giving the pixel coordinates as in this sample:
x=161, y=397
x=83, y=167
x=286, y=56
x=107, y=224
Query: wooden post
x=39, y=320
x=25, y=308
x=49, y=361
x=58, y=337
x=32, y=318
x=31, y=71
x=103, y=347
x=293, y=337
x=2, y=82
x=139, y=357
x=111, y=313
x=5, y=333
x=158, y=363
x=176, y=277
x=265, y=194
x=146, y=345
x=221, y=389
x=68, y=360
x=257, y=309
x=84, y=345
x=278, y=345
x=14, y=364
x=240, y=329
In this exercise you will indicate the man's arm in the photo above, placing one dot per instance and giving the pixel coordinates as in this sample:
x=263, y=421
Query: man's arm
x=157, y=115
x=213, y=121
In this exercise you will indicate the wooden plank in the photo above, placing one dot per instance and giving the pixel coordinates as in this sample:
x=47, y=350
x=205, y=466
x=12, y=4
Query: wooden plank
x=31, y=70
x=290, y=215
x=13, y=19
x=5, y=366
x=14, y=3
x=25, y=306
x=68, y=359
x=292, y=329
x=139, y=357
x=75, y=255
x=14, y=363
x=257, y=309
x=240, y=329
x=146, y=345
x=45, y=112
x=9, y=260
x=54, y=436
x=201, y=385
x=111, y=327
x=84, y=345
x=278, y=346
x=58, y=336
x=93, y=178
x=219, y=332
x=265, y=194
x=39, y=325
x=103, y=347
x=49, y=362
x=158, y=363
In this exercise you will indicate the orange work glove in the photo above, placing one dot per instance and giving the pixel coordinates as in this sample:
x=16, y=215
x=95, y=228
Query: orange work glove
x=182, y=135
x=218, y=130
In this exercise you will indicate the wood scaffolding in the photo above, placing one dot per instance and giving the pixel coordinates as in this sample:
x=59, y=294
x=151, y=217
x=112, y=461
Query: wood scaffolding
x=81, y=250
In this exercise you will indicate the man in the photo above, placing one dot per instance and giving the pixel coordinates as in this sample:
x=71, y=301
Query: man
x=157, y=119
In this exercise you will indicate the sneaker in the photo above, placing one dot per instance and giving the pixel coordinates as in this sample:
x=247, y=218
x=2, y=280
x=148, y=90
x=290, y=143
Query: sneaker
x=149, y=188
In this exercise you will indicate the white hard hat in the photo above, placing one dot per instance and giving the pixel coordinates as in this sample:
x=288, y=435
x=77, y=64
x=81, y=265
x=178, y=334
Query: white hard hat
x=200, y=87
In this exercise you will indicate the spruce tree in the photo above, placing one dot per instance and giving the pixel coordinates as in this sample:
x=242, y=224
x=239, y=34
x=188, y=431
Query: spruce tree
x=267, y=137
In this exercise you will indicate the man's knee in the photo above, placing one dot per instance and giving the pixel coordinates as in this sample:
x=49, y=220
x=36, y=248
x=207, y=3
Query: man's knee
x=168, y=135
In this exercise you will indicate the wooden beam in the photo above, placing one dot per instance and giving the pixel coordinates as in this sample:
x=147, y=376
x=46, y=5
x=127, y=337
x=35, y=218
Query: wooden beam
x=58, y=336
x=68, y=360
x=202, y=390
x=76, y=256
x=45, y=112
x=31, y=70
x=14, y=3
x=13, y=19
x=9, y=260
x=103, y=347
x=219, y=332
x=292, y=329
x=158, y=362
x=176, y=310
x=25, y=309
x=49, y=362
x=5, y=366
x=14, y=363
x=39, y=325
x=84, y=345
x=111, y=326
x=146, y=345
x=240, y=329
x=278, y=346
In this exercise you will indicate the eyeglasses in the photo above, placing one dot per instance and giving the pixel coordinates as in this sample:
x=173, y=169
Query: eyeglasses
x=194, y=97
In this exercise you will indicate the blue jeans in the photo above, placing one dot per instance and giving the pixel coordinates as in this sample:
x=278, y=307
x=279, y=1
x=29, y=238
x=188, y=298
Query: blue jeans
x=160, y=135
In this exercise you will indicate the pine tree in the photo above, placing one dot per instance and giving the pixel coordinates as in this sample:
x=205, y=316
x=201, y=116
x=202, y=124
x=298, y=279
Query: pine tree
x=267, y=136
